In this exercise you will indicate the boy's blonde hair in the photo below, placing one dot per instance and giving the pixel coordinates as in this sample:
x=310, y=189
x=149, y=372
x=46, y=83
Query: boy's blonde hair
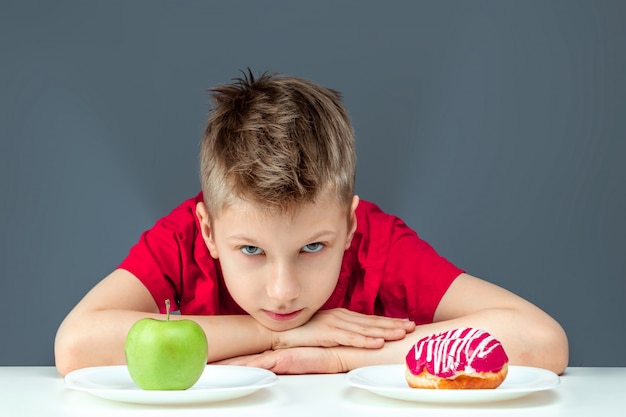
x=277, y=142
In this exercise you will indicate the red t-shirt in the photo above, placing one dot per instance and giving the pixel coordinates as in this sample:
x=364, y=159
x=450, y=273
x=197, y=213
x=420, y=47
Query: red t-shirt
x=388, y=270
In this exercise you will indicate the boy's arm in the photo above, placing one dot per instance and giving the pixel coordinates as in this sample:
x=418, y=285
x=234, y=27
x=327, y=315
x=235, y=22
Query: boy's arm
x=94, y=332
x=529, y=336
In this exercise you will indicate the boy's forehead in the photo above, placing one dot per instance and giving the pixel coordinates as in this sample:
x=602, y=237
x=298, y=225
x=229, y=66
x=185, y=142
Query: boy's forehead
x=240, y=205
x=238, y=210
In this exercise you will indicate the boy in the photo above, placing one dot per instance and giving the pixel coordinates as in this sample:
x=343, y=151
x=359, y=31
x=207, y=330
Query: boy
x=283, y=266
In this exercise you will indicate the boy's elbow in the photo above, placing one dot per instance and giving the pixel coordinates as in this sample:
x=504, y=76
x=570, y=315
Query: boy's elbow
x=63, y=366
x=551, y=351
x=65, y=354
x=71, y=351
x=561, y=351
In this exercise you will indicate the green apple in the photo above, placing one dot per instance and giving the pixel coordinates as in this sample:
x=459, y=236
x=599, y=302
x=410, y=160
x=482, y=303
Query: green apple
x=166, y=354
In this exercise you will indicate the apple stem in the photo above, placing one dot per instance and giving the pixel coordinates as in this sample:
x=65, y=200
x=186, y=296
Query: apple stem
x=167, y=309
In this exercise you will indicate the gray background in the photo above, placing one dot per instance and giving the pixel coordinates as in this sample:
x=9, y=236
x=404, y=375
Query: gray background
x=494, y=128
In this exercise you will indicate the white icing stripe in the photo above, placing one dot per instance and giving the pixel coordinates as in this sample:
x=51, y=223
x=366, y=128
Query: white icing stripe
x=446, y=350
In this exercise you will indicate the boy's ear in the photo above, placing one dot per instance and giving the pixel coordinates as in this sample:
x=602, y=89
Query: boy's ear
x=205, y=226
x=353, y=222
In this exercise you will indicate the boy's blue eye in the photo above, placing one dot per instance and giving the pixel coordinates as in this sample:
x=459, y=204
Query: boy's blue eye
x=313, y=247
x=251, y=250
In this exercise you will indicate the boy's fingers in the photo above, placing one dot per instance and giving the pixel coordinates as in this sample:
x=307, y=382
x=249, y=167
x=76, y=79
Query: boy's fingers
x=374, y=342
x=395, y=332
x=370, y=338
x=370, y=321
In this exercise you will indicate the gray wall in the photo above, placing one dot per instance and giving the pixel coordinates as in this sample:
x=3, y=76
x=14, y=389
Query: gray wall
x=494, y=128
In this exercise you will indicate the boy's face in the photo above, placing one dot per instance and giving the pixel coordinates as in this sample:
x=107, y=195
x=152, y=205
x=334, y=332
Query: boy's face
x=280, y=268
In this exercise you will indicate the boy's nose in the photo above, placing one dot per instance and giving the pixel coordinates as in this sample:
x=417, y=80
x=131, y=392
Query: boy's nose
x=283, y=284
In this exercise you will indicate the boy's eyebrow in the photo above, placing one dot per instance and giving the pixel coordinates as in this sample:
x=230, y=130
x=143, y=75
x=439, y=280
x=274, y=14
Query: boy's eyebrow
x=242, y=237
x=323, y=233
x=253, y=242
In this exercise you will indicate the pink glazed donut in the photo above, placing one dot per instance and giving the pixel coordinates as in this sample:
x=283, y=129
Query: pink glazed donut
x=457, y=359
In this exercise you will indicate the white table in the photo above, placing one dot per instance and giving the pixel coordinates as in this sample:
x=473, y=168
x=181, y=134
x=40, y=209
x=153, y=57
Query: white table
x=40, y=391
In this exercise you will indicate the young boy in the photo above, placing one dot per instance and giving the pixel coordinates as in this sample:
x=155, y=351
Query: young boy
x=283, y=266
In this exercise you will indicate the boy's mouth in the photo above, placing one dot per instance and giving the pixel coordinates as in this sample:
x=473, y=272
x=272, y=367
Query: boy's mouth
x=282, y=316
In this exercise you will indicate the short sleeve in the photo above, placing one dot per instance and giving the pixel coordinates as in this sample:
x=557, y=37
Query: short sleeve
x=415, y=275
x=164, y=257
x=390, y=271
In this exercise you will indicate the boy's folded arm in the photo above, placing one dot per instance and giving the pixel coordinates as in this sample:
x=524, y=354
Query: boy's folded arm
x=94, y=332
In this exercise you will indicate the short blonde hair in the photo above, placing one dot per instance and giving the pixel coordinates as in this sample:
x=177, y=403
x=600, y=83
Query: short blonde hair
x=277, y=142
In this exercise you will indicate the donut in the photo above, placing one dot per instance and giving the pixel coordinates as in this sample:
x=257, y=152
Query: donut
x=465, y=358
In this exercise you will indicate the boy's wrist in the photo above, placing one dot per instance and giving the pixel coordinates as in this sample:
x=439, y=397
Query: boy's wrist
x=342, y=356
x=351, y=358
x=266, y=336
x=279, y=340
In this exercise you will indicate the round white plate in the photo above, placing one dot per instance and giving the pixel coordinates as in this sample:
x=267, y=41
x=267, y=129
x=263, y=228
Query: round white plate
x=388, y=381
x=217, y=383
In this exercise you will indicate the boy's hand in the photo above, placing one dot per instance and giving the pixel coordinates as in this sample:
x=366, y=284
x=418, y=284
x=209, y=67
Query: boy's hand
x=301, y=360
x=342, y=327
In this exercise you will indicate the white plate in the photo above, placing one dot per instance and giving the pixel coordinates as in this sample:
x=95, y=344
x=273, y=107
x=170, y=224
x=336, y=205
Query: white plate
x=217, y=383
x=388, y=381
